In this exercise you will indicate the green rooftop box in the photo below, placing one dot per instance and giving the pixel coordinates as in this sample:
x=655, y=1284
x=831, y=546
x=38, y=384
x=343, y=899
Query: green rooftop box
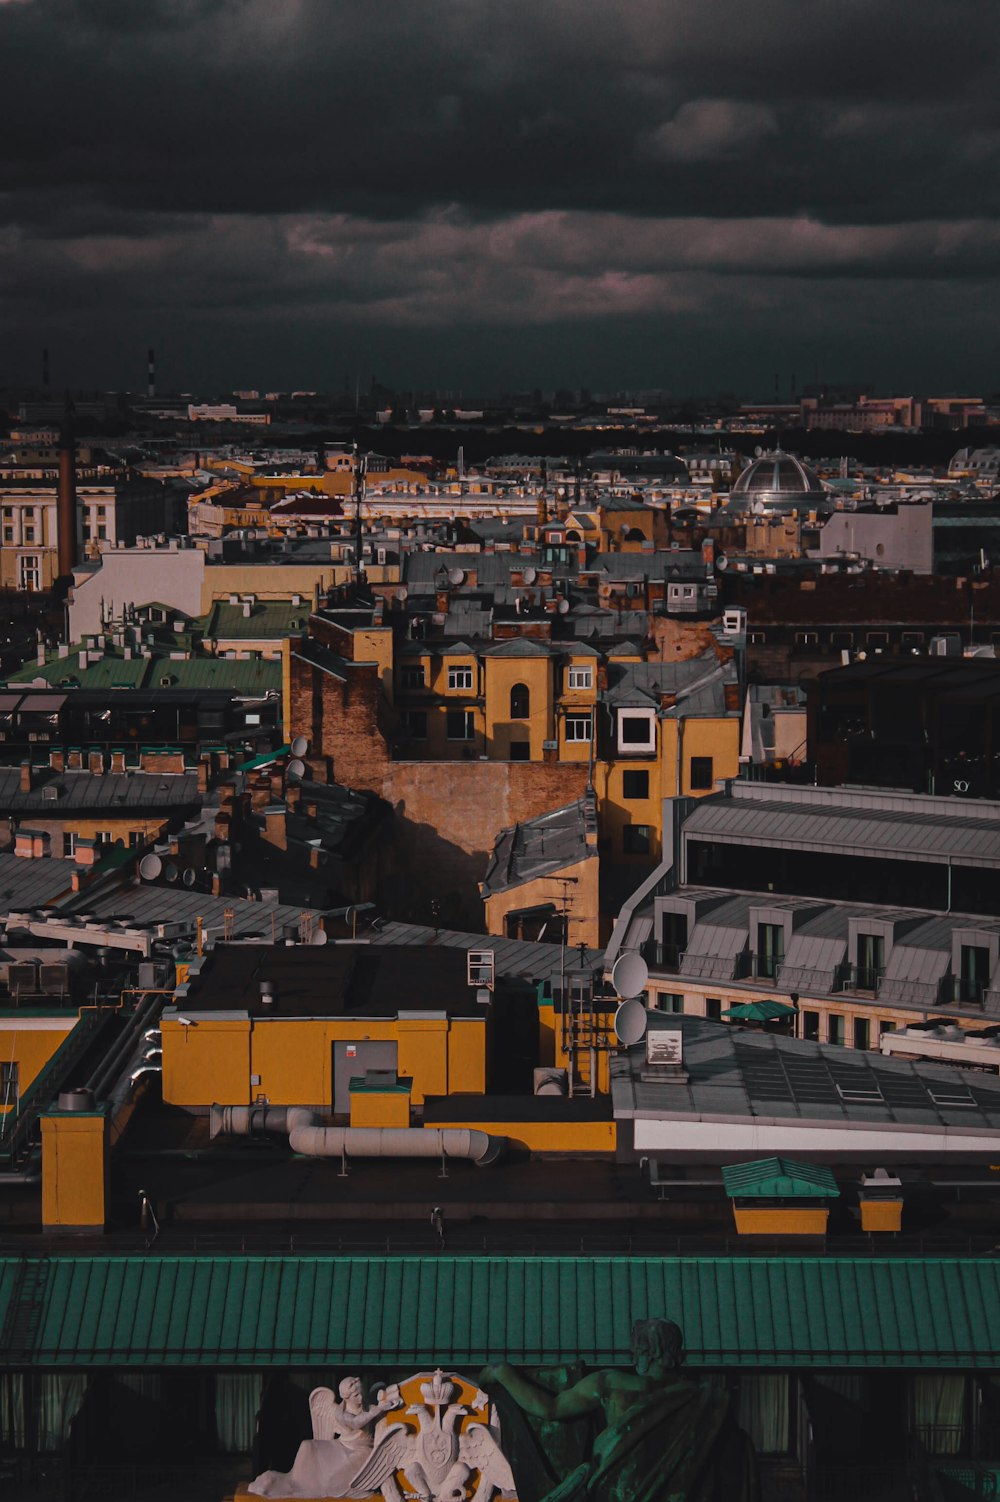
x=776, y=1197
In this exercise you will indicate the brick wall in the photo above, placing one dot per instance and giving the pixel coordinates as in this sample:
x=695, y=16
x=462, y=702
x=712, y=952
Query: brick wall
x=446, y=814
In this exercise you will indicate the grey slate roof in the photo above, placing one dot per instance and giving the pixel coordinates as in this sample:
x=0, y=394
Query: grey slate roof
x=545, y=844
x=736, y=1073
x=885, y=833
x=111, y=792
x=32, y=883
x=515, y=958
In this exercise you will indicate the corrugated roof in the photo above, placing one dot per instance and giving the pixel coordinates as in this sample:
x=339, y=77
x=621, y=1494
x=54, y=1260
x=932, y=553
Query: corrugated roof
x=869, y=832
x=747, y=1312
x=779, y=1178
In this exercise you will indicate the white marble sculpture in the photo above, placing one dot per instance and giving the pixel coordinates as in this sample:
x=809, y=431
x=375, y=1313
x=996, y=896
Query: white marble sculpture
x=452, y=1455
x=326, y=1464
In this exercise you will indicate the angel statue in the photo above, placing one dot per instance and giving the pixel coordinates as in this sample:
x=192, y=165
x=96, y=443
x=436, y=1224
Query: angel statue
x=326, y=1465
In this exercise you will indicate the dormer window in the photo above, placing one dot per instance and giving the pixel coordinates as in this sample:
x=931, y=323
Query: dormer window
x=636, y=731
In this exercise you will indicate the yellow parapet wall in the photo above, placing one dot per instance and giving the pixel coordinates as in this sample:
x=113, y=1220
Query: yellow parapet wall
x=781, y=1220
x=881, y=1215
x=74, y=1170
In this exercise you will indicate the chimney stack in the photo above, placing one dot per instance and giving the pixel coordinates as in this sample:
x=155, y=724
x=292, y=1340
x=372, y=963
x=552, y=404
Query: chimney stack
x=66, y=502
x=151, y=376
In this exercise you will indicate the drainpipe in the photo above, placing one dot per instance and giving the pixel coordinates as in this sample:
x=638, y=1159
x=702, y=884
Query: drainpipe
x=307, y=1135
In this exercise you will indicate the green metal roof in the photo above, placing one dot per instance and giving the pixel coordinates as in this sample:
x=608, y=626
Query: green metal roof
x=254, y=1311
x=779, y=1178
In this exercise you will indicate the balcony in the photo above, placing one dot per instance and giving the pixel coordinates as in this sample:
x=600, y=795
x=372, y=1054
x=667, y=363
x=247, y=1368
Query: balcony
x=864, y=978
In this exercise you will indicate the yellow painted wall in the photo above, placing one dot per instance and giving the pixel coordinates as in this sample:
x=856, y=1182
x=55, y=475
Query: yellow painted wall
x=467, y=1056
x=212, y=1060
x=546, y=1136
x=581, y=901
x=208, y=1061
x=501, y=674
x=374, y=644
x=881, y=1215
x=31, y=1048
x=781, y=1220
x=74, y=1170
x=380, y=1108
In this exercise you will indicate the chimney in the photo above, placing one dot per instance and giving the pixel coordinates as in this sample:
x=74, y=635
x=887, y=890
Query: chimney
x=26, y=777
x=204, y=767
x=151, y=374
x=66, y=502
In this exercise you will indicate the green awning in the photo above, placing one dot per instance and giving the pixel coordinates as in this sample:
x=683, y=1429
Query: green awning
x=761, y=1011
x=256, y=1311
x=779, y=1178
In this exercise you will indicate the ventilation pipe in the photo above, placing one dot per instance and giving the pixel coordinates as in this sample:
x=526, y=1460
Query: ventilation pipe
x=307, y=1135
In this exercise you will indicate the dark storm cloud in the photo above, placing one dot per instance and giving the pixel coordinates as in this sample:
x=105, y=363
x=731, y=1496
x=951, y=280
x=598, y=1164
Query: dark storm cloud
x=497, y=163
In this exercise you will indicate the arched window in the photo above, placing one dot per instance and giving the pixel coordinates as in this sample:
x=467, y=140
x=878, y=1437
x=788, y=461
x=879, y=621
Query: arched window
x=520, y=701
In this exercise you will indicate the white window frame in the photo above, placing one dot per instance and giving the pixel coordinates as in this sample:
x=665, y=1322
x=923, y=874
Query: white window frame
x=630, y=716
x=579, y=729
x=460, y=678
x=29, y=573
x=580, y=678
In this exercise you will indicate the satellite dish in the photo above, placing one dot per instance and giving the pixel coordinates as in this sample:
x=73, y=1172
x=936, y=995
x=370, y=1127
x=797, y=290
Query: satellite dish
x=564, y=606
x=456, y=576
x=150, y=867
x=319, y=936
x=402, y=593
x=529, y=575
x=170, y=872
x=629, y=974
x=189, y=878
x=722, y=561
x=295, y=768
x=630, y=1022
x=299, y=746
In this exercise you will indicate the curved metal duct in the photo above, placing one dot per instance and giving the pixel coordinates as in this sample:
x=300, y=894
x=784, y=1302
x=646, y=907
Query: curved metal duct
x=307, y=1135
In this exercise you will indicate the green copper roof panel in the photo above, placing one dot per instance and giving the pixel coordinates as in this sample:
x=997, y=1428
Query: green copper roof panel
x=779, y=1178
x=246, y=1311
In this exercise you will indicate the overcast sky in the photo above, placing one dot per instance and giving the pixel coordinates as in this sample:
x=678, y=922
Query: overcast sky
x=695, y=194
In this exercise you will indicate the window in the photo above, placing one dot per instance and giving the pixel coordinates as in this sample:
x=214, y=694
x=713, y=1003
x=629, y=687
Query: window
x=70, y=838
x=413, y=677
x=29, y=534
x=770, y=949
x=580, y=678
x=578, y=727
x=806, y=638
x=461, y=724
x=670, y=1001
x=520, y=751
x=810, y=1026
x=842, y=638
x=713, y=1008
x=913, y=640
x=8, y=513
x=886, y=1027
x=459, y=678
x=520, y=702
x=862, y=1032
x=877, y=640
x=135, y=838
x=635, y=839
x=757, y=638
x=29, y=572
x=835, y=1028
x=975, y=973
x=413, y=723
x=675, y=937
x=10, y=1087
x=637, y=729
x=102, y=533
x=871, y=961
x=8, y=534
x=702, y=779
x=635, y=784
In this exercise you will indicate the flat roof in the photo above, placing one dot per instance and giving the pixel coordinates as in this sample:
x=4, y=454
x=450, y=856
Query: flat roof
x=334, y=980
